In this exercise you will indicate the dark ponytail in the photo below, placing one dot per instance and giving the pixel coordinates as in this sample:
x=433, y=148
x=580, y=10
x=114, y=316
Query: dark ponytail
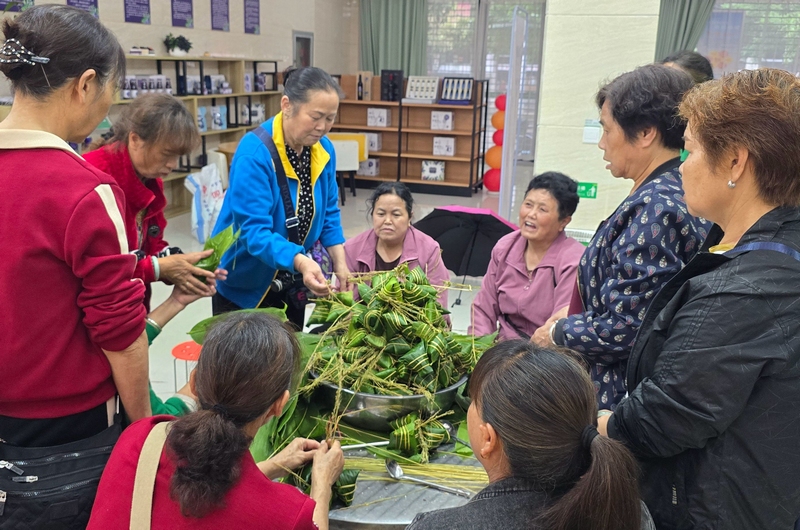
x=605, y=497
x=542, y=405
x=245, y=367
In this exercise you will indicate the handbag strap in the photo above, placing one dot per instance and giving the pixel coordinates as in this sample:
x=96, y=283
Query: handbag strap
x=145, y=481
x=292, y=221
x=764, y=245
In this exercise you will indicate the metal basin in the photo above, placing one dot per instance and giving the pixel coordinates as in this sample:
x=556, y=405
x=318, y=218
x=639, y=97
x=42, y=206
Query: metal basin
x=373, y=412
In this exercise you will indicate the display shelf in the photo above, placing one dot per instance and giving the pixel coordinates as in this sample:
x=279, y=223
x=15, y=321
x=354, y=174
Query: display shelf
x=373, y=103
x=244, y=128
x=234, y=69
x=409, y=139
x=351, y=127
x=439, y=132
x=428, y=156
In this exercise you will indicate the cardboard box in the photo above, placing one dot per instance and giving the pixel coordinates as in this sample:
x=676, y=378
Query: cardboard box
x=366, y=81
x=369, y=167
x=433, y=170
x=441, y=120
x=444, y=146
x=379, y=117
x=374, y=141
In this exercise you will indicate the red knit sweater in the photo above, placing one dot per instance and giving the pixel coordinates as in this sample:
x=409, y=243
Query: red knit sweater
x=66, y=290
x=254, y=502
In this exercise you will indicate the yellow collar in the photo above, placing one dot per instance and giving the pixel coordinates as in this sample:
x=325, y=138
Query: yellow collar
x=319, y=156
x=721, y=248
x=32, y=139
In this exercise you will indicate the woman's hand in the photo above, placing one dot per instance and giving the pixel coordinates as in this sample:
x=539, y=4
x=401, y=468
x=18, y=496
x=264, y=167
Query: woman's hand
x=312, y=275
x=542, y=335
x=298, y=453
x=179, y=269
x=344, y=278
x=328, y=465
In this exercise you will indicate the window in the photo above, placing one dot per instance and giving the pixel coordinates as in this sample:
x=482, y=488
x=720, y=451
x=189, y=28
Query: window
x=472, y=38
x=750, y=35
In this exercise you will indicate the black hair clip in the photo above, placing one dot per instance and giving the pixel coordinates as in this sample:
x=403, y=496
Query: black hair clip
x=20, y=54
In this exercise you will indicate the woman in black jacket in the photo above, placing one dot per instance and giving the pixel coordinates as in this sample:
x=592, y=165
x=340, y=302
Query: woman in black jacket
x=713, y=413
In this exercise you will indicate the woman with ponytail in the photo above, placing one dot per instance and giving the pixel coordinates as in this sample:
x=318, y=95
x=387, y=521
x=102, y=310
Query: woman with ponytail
x=206, y=477
x=532, y=425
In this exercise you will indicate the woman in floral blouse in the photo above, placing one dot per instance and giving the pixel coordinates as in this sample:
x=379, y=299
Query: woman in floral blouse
x=649, y=237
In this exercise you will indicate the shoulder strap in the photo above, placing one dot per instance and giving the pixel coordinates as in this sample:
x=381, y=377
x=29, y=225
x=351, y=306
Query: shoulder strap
x=764, y=245
x=145, y=481
x=292, y=222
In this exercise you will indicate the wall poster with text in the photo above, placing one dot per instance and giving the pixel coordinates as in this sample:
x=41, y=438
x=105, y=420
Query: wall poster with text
x=252, y=17
x=220, y=20
x=86, y=5
x=137, y=11
x=182, y=13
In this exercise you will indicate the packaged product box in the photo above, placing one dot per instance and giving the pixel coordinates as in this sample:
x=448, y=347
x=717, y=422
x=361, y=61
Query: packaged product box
x=369, y=167
x=444, y=146
x=378, y=117
x=366, y=81
x=442, y=120
x=374, y=141
x=433, y=170
x=248, y=82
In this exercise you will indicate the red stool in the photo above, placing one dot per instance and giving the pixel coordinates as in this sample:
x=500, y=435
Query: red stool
x=188, y=351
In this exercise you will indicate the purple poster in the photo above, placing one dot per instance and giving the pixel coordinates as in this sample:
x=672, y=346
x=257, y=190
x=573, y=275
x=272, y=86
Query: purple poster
x=252, y=17
x=86, y=5
x=182, y=14
x=219, y=15
x=15, y=6
x=137, y=11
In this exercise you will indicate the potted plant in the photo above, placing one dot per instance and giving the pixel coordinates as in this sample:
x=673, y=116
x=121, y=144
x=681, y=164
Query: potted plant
x=177, y=46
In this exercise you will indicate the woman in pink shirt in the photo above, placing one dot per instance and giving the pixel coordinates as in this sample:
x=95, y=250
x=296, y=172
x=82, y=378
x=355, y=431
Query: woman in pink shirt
x=533, y=270
x=392, y=240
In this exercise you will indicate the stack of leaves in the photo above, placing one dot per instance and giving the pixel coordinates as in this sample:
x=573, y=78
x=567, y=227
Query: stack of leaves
x=394, y=340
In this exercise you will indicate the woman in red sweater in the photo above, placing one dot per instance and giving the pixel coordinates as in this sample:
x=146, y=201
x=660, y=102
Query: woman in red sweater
x=207, y=478
x=150, y=136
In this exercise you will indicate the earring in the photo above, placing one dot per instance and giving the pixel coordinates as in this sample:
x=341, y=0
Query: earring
x=731, y=184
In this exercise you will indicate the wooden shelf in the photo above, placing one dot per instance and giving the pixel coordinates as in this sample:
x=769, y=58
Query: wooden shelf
x=438, y=106
x=418, y=180
x=383, y=153
x=429, y=156
x=438, y=132
x=175, y=175
x=364, y=128
x=368, y=103
x=245, y=128
x=195, y=58
x=235, y=95
x=378, y=178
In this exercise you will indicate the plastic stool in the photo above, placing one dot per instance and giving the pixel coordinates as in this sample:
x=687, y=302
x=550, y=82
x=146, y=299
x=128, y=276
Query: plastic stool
x=188, y=351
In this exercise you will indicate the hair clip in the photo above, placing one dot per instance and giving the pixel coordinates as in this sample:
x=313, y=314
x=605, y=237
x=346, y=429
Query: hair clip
x=20, y=54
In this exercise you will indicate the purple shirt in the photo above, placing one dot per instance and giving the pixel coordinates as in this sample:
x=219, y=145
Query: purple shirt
x=418, y=249
x=527, y=301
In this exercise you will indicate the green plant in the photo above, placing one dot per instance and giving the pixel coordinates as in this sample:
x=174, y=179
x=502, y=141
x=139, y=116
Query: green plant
x=180, y=42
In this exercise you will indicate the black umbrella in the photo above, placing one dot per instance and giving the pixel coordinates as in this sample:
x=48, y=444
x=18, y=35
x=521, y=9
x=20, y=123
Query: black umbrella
x=466, y=235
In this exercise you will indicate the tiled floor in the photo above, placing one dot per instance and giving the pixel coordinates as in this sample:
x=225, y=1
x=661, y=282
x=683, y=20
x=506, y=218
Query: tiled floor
x=354, y=221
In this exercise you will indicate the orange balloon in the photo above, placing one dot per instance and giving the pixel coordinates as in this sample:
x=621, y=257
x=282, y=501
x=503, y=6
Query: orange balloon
x=499, y=119
x=494, y=157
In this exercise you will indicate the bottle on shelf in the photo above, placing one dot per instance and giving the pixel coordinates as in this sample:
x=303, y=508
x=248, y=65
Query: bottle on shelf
x=168, y=87
x=126, y=89
x=360, y=88
x=134, y=93
x=159, y=87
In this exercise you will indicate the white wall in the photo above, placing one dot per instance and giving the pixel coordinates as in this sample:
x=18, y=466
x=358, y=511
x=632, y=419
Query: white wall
x=333, y=22
x=587, y=42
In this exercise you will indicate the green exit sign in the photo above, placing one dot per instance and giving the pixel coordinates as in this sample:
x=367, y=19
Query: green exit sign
x=587, y=190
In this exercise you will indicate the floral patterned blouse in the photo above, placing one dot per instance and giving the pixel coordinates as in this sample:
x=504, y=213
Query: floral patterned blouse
x=635, y=251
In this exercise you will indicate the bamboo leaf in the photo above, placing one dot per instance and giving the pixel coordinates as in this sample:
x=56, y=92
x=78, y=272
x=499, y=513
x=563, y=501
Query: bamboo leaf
x=220, y=243
x=198, y=332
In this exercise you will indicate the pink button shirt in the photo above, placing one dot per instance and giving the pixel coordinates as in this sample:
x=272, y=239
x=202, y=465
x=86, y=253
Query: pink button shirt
x=418, y=249
x=509, y=294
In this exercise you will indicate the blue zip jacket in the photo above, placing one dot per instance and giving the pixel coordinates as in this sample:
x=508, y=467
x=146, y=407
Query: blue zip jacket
x=253, y=204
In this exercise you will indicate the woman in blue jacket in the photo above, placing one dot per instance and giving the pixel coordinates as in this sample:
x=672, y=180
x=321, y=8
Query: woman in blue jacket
x=266, y=268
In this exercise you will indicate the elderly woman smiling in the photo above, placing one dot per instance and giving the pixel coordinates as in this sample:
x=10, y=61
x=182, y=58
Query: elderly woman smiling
x=714, y=376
